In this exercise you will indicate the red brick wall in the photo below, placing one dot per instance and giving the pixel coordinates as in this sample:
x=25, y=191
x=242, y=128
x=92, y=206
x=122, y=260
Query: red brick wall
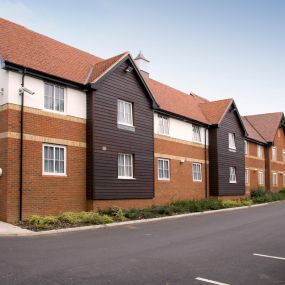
x=42, y=194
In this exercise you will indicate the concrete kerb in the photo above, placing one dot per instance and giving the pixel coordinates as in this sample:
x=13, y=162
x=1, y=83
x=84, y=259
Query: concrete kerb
x=84, y=228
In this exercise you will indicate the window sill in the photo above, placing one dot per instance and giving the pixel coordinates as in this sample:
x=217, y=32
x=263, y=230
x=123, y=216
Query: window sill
x=126, y=127
x=55, y=112
x=232, y=149
x=54, y=175
x=233, y=182
x=197, y=181
x=163, y=180
x=126, y=178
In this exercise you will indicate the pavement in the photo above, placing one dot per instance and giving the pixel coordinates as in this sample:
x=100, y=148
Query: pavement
x=231, y=247
x=8, y=229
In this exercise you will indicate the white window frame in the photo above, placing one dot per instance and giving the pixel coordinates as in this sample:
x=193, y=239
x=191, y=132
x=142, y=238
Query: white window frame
x=124, y=166
x=284, y=179
x=124, y=113
x=233, y=174
x=245, y=147
x=232, y=142
x=197, y=172
x=64, y=161
x=283, y=155
x=247, y=176
x=260, y=179
x=163, y=125
x=163, y=160
x=259, y=151
x=275, y=179
x=196, y=134
x=274, y=153
x=64, y=98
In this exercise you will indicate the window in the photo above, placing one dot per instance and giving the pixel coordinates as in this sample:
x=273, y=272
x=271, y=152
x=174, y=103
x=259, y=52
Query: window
x=197, y=172
x=125, y=166
x=259, y=151
x=283, y=155
x=275, y=179
x=247, y=176
x=245, y=147
x=54, y=97
x=125, y=113
x=163, y=125
x=274, y=153
x=54, y=159
x=283, y=179
x=233, y=177
x=196, y=134
x=260, y=178
x=232, y=142
x=163, y=169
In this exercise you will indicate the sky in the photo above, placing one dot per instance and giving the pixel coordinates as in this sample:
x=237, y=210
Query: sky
x=214, y=48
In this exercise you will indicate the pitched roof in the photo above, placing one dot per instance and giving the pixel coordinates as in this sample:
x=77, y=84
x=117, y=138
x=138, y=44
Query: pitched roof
x=214, y=111
x=266, y=124
x=252, y=132
x=178, y=102
x=24, y=47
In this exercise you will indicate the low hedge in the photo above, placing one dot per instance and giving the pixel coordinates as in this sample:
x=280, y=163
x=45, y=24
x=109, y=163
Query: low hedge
x=66, y=220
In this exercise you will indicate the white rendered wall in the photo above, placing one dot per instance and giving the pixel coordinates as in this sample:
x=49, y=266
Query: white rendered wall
x=4, y=86
x=180, y=130
x=75, y=100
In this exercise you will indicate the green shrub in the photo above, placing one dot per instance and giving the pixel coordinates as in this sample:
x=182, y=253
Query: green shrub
x=231, y=203
x=246, y=202
x=116, y=213
x=42, y=223
x=282, y=190
x=257, y=193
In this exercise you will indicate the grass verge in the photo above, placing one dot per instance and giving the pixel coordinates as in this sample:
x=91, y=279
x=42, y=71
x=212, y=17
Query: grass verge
x=69, y=219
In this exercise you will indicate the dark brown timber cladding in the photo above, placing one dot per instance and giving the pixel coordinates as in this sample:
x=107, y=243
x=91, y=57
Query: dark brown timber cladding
x=103, y=133
x=221, y=158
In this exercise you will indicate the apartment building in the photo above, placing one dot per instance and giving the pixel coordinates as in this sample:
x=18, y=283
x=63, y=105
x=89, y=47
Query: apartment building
x=78, y=132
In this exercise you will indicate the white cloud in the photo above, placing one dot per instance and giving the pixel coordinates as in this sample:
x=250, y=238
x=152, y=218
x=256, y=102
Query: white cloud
x=15, y=11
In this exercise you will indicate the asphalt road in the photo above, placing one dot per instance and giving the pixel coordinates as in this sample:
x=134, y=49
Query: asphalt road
x=217, y=247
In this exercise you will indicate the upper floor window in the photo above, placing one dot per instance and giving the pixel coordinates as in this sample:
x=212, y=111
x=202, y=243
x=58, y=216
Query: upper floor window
x=163, y=169
x=196, y=134
x=163, y=125
x=245, y=147
x=197, y=172
x=260, y=178
x=54, y=159
x=125, y=113
x=233, y=176
x=247, y=176
x=125, y=165
x=54, y=97
x=232, y=142
x=275, y=179
x=259, y=151
x=274, y=153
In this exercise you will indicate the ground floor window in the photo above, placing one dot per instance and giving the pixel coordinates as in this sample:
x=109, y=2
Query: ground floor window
x=247, y=176
x=54, y=159
x=233, y=176
x=163, y=169
x=284, y=179
x=125, y=165
x=275, y=179
x=260, y=178
x=197, y=172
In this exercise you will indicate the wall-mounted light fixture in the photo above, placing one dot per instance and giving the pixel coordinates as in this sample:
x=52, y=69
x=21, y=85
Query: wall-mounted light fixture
x=1, y=171
x=129, y=69
x=182, y=161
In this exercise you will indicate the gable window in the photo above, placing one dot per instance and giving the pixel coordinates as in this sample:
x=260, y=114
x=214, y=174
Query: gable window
x=163, y=125
x=283, y=155
x=259, y=151
x=196, y=134
x=54, y=159
x=245, y=147
x=125, y=113
x=163, y=169
x=54, y=97
x=232, y=142
x=197, y=172
x=125, y=165
x=247, y=176
x=233, y=177
x=274, y=153
x=275, y=179
x=260, y=178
